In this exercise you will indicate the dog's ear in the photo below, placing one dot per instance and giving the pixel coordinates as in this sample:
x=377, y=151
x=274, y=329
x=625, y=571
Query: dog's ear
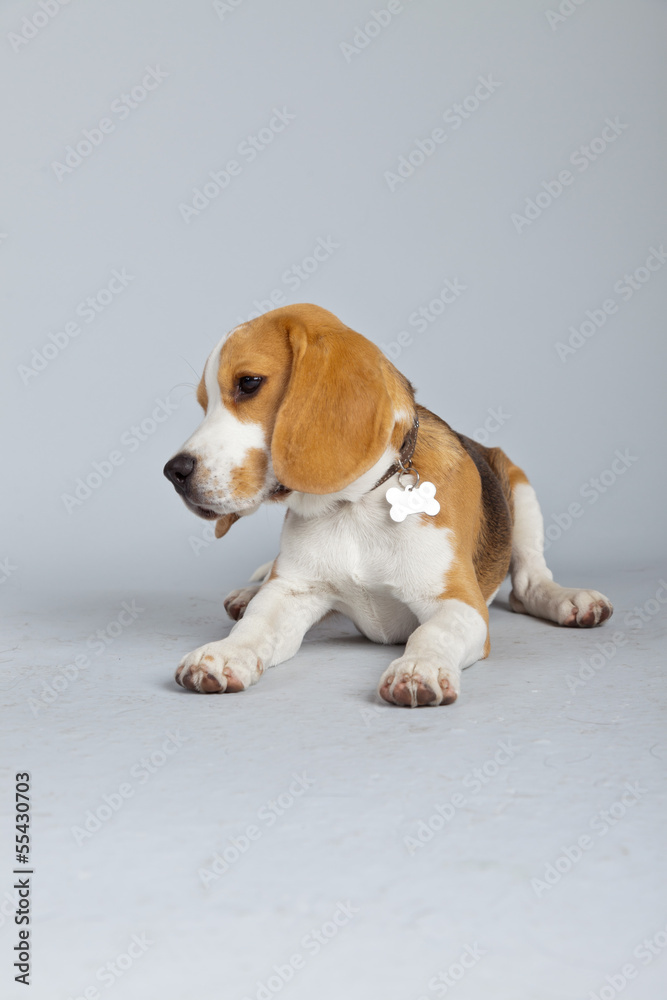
x=223, y=524
x=337, y=415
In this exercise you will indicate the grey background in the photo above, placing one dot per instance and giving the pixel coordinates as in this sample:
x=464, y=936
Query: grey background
x=324, y=177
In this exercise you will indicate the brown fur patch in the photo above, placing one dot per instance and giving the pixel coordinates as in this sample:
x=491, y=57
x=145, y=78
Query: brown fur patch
x=473, y=488
x=247, y=480
x=202, y=395
x=258, y=348
x=475, y=495
x=493, y=548
x=516, y=475
x=403, y=395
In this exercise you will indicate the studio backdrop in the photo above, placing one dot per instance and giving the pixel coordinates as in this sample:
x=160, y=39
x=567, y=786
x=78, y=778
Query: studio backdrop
x=477, y=187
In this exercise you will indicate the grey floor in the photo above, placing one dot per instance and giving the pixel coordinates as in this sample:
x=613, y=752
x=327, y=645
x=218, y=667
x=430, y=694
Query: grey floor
x=306, y=840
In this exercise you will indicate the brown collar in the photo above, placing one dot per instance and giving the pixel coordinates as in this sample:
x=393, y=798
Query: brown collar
x=404, y=455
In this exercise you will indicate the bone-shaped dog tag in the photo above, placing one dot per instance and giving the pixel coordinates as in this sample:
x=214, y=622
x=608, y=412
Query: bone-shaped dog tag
x=412, y=501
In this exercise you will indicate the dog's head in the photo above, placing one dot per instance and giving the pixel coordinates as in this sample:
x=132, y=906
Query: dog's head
x=293, y=401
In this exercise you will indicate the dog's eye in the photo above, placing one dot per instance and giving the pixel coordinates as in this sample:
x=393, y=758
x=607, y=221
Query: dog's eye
x=249, y=384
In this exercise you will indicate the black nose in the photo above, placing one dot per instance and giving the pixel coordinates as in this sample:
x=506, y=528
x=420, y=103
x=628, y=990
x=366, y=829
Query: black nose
x=178, y=469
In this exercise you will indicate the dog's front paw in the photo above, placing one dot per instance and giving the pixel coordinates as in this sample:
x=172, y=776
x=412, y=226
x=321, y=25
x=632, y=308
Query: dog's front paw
x=413, y=683
x=219, y=667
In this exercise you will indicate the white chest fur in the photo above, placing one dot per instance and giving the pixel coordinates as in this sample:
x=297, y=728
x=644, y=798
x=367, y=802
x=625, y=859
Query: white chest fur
x=378, y=571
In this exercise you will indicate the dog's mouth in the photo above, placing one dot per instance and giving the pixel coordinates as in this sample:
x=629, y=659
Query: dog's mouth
x=279, y=492
x=205, y=512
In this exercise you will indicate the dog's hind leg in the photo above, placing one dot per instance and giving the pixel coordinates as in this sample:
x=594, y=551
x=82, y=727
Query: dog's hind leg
x=238, y=600
x=533, y=589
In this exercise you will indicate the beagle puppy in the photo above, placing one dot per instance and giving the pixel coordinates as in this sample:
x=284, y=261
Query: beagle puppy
x=392, y=518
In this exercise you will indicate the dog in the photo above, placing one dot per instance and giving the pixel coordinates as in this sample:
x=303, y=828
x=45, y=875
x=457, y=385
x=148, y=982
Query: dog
x=393, y=518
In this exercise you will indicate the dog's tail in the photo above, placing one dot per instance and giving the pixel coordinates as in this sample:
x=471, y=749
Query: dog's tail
x=262, y=572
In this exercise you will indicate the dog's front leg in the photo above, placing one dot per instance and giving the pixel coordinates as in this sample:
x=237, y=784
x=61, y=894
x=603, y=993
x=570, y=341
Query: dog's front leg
x=453, y=634
x=271, y=631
